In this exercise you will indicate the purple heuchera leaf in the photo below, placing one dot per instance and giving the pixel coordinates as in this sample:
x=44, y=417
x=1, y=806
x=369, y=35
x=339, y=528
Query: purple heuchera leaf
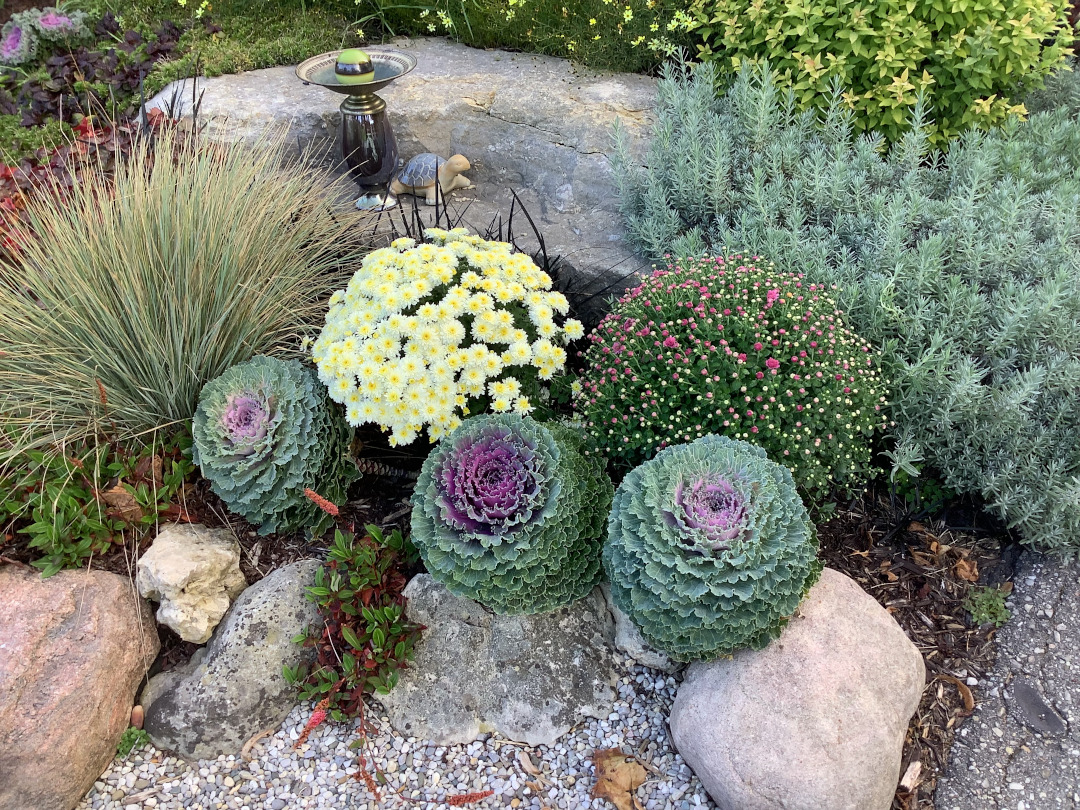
x=708, y=507
x=245, y=419
x=490, y=483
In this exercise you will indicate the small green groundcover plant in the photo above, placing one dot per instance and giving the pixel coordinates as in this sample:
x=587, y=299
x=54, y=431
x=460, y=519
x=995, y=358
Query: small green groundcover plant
x=961, y=268
x=509, y=512
x=71, y=503
x=729, y=345
x=987, y=606
x=364, y=638
x=265, y=433
x=968, y=57
x=709, y=548
x=131, y=740
x=428, y=333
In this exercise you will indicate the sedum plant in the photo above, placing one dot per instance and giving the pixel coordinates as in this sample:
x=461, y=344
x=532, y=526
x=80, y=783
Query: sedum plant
x=709, y=548
x=264, y=433
x=729, y=345
x=962, y=267
x=509, y=512
x=969, y=58
x=427, y=333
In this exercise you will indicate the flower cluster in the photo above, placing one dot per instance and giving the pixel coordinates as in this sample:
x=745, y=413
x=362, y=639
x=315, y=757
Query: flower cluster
x=709, y=548
x=264, y=434
x=427, y=333
x=509, y=512
x=724, y=346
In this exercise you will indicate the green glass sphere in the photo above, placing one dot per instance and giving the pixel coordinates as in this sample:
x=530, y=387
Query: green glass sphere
x=354, y=67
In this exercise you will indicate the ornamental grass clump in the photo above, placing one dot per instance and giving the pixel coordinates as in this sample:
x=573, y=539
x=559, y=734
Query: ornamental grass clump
x=510, y=512
x=137, y=285
x=428, y=333
x=709, y=548
x=727, y=346
x=264, y=433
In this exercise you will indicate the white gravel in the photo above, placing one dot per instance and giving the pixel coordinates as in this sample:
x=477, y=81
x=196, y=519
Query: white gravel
x=321, y=772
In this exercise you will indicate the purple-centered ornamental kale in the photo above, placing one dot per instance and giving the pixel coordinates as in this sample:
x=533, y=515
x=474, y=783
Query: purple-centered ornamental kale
x=18, y=39
x=492, y=483
x=264, y=431
x=60, y=26
x=709, y=548
x=510, y=513
x=711, y=509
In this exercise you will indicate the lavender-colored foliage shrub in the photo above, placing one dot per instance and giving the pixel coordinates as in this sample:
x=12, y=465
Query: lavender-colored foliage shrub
x=709, y=548
x=510, y=513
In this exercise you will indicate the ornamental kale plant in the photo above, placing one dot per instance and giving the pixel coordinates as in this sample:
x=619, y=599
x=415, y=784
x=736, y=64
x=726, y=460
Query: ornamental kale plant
x=264, y=432
x=510, y=512
x=428, y=333
x=61, y=26
x=964, y=268
x=726, y=346
x=709, y=548
x=19, y=39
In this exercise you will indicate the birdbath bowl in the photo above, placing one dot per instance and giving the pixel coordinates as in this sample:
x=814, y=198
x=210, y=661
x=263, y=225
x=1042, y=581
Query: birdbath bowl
x=367, y=139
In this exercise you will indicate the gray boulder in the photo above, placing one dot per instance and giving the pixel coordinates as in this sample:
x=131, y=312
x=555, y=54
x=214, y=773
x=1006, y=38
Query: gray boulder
x=536, y=124
x=530, y=678
x=816, y=720
x=234, y=687
x=628, y=640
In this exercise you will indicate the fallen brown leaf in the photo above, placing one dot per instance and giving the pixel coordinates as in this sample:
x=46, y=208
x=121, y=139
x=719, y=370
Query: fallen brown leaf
x=967, y=570
x=123, y=504
x=965, y=692
x=618, y=775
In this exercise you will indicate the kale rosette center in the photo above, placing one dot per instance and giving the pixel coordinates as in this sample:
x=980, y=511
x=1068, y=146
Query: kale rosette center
x=708, y=512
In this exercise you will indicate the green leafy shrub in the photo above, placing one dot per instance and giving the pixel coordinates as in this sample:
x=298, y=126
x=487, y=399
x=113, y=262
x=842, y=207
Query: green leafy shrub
x=426, y=333
x=962, y=268
x=364, y=639
x=731, y=347
x=264, y=433
x=69, y=504
x=146, y=283
x=987, y=606
x=509, y=512
x=968, y=56
x=709, y=548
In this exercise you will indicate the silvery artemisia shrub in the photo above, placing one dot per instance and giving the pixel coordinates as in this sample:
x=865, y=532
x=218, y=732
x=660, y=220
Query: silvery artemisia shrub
x=510, y=513
x=964, y=268
x=264, y=432
x=709, y=548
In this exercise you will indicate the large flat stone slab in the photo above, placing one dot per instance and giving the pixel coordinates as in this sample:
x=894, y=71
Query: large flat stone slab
x=534, y=124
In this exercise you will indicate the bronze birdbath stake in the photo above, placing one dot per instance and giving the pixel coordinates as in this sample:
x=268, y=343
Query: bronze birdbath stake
x=367, y=139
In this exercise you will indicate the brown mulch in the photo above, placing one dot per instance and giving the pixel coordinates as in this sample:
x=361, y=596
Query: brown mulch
x=12, y=7
x=920, y=571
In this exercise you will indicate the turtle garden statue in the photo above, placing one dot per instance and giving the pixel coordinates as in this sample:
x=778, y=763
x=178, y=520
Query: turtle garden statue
x=427, y=174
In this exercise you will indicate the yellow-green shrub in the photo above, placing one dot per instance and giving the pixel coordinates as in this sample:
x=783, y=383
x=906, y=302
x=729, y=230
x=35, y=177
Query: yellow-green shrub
x=968, y=55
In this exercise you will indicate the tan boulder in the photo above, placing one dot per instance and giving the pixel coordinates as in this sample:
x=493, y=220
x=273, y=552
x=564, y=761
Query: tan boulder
x=73, y=650
x=194, y=574
x=816, y=720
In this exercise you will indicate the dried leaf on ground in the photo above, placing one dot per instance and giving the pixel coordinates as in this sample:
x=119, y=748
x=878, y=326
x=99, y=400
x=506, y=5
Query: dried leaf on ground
x=122, y=504
x=618, y=775
x=967, y=570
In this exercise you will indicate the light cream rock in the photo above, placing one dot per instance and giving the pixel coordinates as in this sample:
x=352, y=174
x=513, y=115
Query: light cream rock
x=816, y=720
x=194, y=574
